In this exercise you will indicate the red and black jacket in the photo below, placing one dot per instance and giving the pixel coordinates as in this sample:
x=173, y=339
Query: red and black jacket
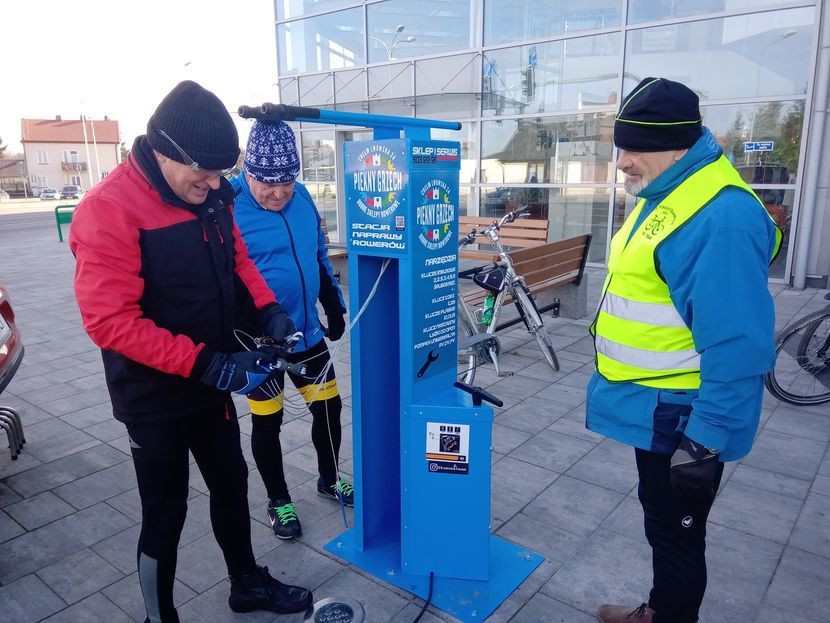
x=161, y=285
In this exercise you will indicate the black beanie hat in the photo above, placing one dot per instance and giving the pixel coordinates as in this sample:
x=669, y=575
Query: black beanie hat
x=199, y=123
x=658, y=115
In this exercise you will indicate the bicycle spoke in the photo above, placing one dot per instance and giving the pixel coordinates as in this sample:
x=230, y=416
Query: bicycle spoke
x=802, y=366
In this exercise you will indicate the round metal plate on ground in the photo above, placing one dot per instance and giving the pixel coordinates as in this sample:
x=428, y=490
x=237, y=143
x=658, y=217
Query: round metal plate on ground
x=335, y=610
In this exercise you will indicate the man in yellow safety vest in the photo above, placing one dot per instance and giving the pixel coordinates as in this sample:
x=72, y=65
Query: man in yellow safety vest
x=683, y=334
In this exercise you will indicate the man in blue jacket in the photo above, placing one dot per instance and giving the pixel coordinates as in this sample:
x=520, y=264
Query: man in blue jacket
x=683, y=334
x=281, y=228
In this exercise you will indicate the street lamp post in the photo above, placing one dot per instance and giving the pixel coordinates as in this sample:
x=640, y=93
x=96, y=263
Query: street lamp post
x=395, y=42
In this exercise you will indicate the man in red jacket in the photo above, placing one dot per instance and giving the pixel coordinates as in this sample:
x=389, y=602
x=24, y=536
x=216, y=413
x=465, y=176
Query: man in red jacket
x=162, y=281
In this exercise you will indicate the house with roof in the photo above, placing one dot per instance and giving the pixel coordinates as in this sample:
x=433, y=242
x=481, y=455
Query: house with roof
x=13, y=177
x=71, y=151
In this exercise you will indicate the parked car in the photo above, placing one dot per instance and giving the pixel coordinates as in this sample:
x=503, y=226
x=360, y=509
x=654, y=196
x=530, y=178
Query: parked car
x=71, y=191
x=49, y=193
x=11, y=345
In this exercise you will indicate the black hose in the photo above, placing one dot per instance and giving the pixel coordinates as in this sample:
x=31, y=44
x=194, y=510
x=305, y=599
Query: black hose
x=429, y=599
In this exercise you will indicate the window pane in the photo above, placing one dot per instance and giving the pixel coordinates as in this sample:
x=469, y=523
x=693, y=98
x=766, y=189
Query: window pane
x=350, y=86
x=318, y=156
x=403, y=28
x=465, y=198
x=779, y=204
x=779, y=122
x=574, y=74
x=288, y=91
x=399, y=107
x=755, y=55
x=449, y=75
x=571, y=211
x=286, y=9
x=536, y=19
x=325, y=197
x=653, y=10
x=319, y=176
x=321, y=43
x=457, y=105
x=316, y=90
x=388, y=81
x=570, y=149
x=469, y=148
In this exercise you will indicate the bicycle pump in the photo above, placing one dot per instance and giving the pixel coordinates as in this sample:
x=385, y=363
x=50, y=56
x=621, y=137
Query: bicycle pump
x=421, y=446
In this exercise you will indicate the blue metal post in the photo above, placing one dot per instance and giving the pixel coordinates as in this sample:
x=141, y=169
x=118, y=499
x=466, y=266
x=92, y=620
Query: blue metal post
x=421, y=449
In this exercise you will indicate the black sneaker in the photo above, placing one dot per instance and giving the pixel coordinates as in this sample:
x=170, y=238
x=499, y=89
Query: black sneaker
x=283, y=518
x=342, y=491
x=259, y=591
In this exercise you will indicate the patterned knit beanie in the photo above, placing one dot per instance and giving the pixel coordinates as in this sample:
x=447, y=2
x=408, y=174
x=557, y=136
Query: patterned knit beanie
x=271, y=155
x=199, y=123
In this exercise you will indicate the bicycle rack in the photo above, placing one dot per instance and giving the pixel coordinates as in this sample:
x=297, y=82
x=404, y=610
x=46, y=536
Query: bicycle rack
x=421, y=446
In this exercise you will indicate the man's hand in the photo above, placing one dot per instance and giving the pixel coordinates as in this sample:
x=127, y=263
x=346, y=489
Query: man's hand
x=240, y=373
x=336, y=326
x=694, y=469
x=277, y=323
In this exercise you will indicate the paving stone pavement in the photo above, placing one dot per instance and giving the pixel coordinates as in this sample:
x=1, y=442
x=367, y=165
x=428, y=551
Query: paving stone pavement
x=70, y=513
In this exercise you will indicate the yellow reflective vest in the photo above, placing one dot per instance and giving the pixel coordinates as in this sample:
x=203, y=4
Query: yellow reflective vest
x=639, y=335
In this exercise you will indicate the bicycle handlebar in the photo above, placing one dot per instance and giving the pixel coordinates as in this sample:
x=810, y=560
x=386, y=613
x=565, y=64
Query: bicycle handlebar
x=284, y=365
x=520, y=212
x=512, y=216
x=280, y=363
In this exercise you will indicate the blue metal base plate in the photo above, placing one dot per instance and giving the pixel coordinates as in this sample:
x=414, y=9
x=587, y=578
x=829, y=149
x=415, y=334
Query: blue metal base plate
x=467, y=600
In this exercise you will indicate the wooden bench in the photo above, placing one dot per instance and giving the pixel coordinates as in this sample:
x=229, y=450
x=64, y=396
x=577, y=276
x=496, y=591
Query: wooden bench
x=520, y=234
x=544, y=267
x=63, y=216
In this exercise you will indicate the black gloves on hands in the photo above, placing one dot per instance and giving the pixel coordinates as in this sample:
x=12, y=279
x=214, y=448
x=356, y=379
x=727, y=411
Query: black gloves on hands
x=330, y=299
x=240, y=373
x=694, y=469
x=277, y=324
x=336, y=326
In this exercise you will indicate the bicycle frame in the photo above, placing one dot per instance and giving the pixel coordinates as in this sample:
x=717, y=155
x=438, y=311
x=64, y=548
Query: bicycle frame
x=478, y=345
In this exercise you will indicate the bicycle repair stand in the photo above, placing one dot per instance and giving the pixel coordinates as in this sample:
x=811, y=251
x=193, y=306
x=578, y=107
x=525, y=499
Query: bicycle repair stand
x=421, y=446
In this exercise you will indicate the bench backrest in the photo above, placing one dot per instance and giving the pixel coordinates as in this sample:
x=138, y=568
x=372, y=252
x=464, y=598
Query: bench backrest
x=563, y=260
x=521, y=233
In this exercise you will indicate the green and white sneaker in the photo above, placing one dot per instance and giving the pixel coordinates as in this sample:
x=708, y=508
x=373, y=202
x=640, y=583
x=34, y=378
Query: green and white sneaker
x=283, y=518
x=341, y=491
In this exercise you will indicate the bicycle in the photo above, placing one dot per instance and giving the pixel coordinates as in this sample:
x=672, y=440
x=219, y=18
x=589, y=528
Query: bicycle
x=801, y=375
x=477, y=343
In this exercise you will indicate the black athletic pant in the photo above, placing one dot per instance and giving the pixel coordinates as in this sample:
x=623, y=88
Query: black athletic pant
x=675, y=527
x=323, y=402
x=160, y=456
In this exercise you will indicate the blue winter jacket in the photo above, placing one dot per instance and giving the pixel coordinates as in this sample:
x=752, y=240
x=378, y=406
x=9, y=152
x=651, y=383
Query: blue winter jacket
x=289, y=249
x=716, y=268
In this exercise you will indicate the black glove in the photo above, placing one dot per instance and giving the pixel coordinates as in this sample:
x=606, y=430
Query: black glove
x=336, y=326
x=694, y=469
x=329, y=297
x=277, y=324
x=240, y=373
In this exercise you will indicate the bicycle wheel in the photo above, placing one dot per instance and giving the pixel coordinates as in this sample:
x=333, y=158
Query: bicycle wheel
x=533, y=321
x=468, y=359
x=801, y=375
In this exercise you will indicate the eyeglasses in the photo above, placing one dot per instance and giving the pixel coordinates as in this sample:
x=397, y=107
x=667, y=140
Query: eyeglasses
x=191, y=162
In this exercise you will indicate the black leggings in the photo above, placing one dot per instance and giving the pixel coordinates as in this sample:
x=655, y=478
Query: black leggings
x=675, y=527
x=160, y=456
x=323, y=402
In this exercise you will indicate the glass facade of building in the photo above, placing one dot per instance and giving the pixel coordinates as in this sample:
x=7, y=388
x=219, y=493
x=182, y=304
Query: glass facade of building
x=536, y=85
